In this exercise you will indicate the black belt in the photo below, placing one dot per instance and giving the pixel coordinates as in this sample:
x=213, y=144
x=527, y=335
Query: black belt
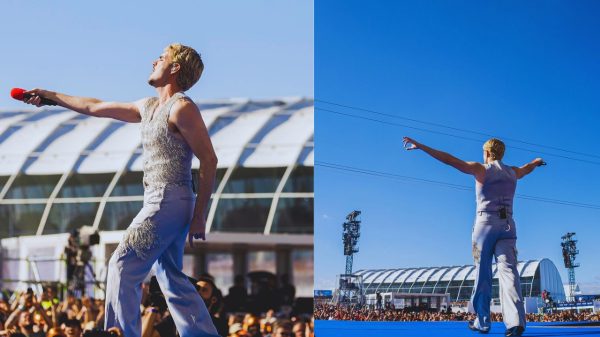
x=502, y=212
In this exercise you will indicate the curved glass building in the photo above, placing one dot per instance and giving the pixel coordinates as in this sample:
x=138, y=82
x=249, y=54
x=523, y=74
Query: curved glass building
x=60, y=170
x=458, y=281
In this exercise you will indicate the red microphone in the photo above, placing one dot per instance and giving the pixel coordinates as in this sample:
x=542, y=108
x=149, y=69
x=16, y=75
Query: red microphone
x=20, y=95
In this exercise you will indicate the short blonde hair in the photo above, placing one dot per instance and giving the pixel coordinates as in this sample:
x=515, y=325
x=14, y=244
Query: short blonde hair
x=495, y=147
x=190, y=64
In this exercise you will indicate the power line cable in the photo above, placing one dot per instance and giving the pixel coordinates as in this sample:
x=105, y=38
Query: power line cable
x=454, y=136
x=394, y=176
x=457, y=129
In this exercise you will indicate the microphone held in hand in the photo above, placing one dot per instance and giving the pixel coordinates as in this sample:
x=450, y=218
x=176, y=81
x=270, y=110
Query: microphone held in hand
x=21, y=95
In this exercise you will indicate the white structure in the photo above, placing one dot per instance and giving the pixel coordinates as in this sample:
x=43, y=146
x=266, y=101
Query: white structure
x=567, y=289
x=60, y=170
x=458, y=281
x=438, y=302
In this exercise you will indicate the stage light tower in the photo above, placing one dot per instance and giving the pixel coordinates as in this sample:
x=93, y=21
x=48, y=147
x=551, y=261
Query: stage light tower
x=350, y=290
x=570, y=251
x=350, y=238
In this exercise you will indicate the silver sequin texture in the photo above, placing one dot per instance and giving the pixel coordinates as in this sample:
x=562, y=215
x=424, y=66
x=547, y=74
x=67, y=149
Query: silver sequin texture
x=140, y=239
x=167, y=159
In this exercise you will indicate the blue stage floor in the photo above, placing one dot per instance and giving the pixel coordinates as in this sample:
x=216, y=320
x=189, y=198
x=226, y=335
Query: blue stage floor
x=445, y=329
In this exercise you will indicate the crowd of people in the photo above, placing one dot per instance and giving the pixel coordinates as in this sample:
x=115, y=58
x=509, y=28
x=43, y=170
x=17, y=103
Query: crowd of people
x=564, y=316
x=25, y=313
x=337, y=312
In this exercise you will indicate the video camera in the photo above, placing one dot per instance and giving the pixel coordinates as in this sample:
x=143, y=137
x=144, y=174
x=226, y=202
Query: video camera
x=155, y=296
x=88, y=236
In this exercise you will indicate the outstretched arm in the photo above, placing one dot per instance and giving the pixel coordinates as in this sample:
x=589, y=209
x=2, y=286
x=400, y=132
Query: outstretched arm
x=528, y=168
x=127, y=112
x=188, y=120
x=468, y=167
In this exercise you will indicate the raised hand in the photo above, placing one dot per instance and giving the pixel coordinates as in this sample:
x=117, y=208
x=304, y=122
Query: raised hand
x=410, y=144
x=35, y=97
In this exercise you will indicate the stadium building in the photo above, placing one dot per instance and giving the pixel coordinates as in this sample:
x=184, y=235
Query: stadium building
x=458, y=281
x=60, y=171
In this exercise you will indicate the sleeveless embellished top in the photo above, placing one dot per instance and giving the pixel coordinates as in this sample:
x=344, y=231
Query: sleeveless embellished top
x=167, y=159
x=498, y=188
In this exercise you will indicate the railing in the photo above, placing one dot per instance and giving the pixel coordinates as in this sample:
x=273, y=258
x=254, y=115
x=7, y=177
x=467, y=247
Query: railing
x=37, y=283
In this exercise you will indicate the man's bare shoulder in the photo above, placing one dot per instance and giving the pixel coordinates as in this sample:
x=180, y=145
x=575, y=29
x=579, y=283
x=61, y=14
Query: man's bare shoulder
x=184, y=108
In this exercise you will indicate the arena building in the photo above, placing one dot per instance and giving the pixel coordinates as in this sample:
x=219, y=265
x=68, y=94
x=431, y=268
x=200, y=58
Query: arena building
x=60, y=171
x=458, y=281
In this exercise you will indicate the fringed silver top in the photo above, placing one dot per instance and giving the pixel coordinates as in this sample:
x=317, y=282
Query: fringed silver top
x=167, y=159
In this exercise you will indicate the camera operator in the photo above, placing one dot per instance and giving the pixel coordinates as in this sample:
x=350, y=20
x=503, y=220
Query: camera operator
x=71, y=250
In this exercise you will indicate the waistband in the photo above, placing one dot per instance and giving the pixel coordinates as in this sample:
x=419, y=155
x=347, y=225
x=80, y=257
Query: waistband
x=168, y=191
x=494, y=215
x=183, y=183
x=508, y=210
x=495, y=209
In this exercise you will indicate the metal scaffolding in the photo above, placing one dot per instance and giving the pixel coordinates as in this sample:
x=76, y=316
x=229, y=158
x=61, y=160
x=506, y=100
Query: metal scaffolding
x=570, y=251
x=350, y=289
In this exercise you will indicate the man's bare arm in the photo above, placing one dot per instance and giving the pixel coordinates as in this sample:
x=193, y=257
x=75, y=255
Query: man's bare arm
x=527, y=168
x=127, y=112
x=188, y=120
x=469, y=167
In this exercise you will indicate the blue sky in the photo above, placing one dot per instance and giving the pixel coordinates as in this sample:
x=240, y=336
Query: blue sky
x=525, y=71
x=105, y=49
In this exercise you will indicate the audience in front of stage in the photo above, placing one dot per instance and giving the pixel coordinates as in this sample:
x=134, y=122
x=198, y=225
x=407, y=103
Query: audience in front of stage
x=43, y=315
x=353, y=313
x=238, y=294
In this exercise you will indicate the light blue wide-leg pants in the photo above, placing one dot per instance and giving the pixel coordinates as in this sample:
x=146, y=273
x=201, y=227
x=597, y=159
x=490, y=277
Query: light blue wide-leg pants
x=156, y=237
x=496, y=237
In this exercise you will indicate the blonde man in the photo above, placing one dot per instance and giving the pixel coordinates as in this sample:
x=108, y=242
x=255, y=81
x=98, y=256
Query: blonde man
x=494, y=232
x=172, y=132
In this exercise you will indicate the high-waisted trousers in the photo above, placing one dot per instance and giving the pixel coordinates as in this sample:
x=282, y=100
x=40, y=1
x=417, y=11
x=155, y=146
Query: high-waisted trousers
x=496, y=237
x=156, y=237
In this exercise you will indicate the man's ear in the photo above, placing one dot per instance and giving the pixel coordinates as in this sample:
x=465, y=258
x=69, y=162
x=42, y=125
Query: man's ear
x=175, y=68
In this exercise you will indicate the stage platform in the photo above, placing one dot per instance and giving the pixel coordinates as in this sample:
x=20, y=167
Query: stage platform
x=445, y=329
